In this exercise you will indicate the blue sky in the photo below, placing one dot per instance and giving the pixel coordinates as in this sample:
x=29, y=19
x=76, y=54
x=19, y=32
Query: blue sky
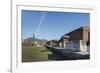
x=51, y=25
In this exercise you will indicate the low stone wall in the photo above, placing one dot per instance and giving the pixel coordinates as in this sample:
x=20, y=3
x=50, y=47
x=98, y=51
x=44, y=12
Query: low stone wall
x=65, y=54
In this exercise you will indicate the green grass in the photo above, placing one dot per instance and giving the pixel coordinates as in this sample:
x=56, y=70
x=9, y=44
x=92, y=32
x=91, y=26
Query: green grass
x=33, y=54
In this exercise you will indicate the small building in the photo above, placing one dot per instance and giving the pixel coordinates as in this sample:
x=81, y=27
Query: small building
x=63, y=41
x=33, y=42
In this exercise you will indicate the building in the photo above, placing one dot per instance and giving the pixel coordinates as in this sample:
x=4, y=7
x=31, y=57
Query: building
x=63, y=41
x=33, y=42
x=27, y=42
x=82, y=33
x=77, y=46
x=77, y=40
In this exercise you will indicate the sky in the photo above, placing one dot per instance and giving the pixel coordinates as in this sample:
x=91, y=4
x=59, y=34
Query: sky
x=51, y=25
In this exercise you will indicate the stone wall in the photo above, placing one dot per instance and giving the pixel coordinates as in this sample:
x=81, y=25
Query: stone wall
x=78, y=46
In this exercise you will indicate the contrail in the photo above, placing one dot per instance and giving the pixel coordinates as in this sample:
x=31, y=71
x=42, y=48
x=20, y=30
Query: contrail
x=40, y=22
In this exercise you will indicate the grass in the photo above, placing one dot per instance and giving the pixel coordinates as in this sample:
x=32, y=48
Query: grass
x=34, y=54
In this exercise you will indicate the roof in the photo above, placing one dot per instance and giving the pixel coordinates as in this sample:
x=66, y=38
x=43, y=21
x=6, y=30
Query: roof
x=81, y=28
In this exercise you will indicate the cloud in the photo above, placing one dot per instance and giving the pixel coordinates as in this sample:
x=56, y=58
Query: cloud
x=42, y=18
